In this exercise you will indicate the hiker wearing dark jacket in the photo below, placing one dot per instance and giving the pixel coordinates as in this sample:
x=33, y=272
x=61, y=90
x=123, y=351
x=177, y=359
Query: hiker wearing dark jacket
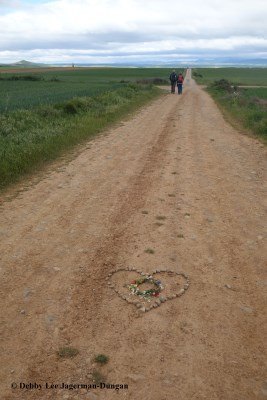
x=180, y=81
x=173, y=79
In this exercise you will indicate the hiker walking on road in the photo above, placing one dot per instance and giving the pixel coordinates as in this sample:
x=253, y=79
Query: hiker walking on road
x=180, y=81
x=173, y=79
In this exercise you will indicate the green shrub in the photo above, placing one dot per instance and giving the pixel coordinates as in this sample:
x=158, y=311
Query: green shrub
x=48, y=111
x=224, y=85
x=101, y=359
x=32, y=78
x=67, y=352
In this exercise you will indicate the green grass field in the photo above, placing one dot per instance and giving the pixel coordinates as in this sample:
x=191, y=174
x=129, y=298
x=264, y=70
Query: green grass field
x=58, y=86
x=239, y=76
x=261, y=93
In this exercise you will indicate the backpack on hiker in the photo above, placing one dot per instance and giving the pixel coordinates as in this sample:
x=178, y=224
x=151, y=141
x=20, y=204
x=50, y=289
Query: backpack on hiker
x=180, y=78
x=173, y=77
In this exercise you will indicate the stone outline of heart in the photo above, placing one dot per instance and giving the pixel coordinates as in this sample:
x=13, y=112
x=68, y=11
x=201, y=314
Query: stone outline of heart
x=158, y=301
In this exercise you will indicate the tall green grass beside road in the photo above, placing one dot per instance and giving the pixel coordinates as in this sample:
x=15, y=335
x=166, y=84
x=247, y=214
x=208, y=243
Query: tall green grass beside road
x=242, y=105
x=245, y=107
x=31, y=137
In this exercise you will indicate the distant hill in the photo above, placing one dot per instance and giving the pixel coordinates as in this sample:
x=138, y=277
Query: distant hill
x=24, y=64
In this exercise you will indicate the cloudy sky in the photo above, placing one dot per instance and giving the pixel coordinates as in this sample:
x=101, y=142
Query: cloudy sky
x=133, y=31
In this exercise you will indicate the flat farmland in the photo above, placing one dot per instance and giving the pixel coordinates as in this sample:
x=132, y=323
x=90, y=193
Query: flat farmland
x=27, y=88
x=256, y=92
x=239, y=76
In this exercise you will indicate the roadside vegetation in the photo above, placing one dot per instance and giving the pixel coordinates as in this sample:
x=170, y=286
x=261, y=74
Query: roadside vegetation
x=244, y=106
x=31, y=137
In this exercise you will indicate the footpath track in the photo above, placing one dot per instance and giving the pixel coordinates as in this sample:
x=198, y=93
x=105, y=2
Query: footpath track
x=176, y=179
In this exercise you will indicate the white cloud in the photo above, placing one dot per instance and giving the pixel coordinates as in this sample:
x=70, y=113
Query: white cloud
x=128, y=27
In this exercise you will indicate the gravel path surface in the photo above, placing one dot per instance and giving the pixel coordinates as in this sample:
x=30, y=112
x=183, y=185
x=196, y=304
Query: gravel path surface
x=174, y=187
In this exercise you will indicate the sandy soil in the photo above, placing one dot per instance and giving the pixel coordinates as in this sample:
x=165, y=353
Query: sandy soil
x=177, y=179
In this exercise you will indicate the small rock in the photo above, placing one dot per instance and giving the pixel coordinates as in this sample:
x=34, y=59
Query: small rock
x=136, y=377
x=12, y=371
x=23, y=312
x=167, y=382
x=162, y=299
x=143, y=309
x=248, y=310
x=40, y=228
x=158, y=301
x=50, y=318
x=27, y=292
x=228, y=286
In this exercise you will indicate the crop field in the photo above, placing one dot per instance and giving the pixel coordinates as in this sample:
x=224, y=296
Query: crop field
x=238, y=76
x=29, y=89
x=260, y=93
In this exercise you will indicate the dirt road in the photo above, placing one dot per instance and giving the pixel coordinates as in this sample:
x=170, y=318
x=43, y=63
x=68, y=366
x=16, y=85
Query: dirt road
x=174, y=187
